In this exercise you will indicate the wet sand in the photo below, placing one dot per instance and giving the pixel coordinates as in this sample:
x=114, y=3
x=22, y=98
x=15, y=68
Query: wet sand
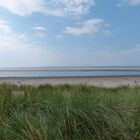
x=107, y=81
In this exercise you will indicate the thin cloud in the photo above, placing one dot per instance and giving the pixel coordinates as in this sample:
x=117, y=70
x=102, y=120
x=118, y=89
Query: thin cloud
x=132, y=2
x=60, y=36
x=39, y=28
x=19, y=50
x=4, y=28
x=40, y=31
x=120, y=5
x=22, y=7
x=91, y=26
x=48, y=7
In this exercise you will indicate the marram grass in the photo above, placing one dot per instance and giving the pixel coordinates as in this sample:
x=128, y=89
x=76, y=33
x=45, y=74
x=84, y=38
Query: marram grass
x=69, y=113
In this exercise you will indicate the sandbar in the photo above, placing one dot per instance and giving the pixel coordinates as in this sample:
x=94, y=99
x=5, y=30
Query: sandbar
x=99, y=81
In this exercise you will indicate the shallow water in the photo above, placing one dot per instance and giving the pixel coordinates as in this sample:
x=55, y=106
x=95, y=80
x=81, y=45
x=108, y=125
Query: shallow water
x=65, y=73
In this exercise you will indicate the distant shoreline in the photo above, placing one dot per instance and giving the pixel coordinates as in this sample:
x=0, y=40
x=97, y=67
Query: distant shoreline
x=105, y=69
x=99, y=81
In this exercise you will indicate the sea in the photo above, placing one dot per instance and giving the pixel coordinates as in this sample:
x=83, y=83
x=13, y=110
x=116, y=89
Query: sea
x=71, y=71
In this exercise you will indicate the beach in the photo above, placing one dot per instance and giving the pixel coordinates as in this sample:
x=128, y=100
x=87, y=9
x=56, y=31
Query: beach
x=99, y=81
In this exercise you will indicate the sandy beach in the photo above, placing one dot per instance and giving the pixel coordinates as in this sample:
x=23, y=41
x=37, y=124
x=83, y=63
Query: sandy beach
x=95, y=81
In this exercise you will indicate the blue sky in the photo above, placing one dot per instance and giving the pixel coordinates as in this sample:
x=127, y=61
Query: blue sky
x=69, y=33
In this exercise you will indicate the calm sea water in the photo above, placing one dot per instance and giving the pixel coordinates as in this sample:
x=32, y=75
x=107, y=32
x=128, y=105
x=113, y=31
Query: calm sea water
x=39, y=73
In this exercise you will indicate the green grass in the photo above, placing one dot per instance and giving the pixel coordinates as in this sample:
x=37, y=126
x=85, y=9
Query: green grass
x=69, y=113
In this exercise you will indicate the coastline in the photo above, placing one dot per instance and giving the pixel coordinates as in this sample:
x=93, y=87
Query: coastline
x=99, y=81
x=57, y=69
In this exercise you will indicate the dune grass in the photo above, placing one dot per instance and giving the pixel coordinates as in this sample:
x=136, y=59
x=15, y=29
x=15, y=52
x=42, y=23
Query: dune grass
x=69, y=113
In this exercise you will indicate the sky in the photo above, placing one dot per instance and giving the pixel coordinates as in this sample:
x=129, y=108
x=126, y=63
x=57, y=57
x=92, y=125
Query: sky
x=41, y=33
